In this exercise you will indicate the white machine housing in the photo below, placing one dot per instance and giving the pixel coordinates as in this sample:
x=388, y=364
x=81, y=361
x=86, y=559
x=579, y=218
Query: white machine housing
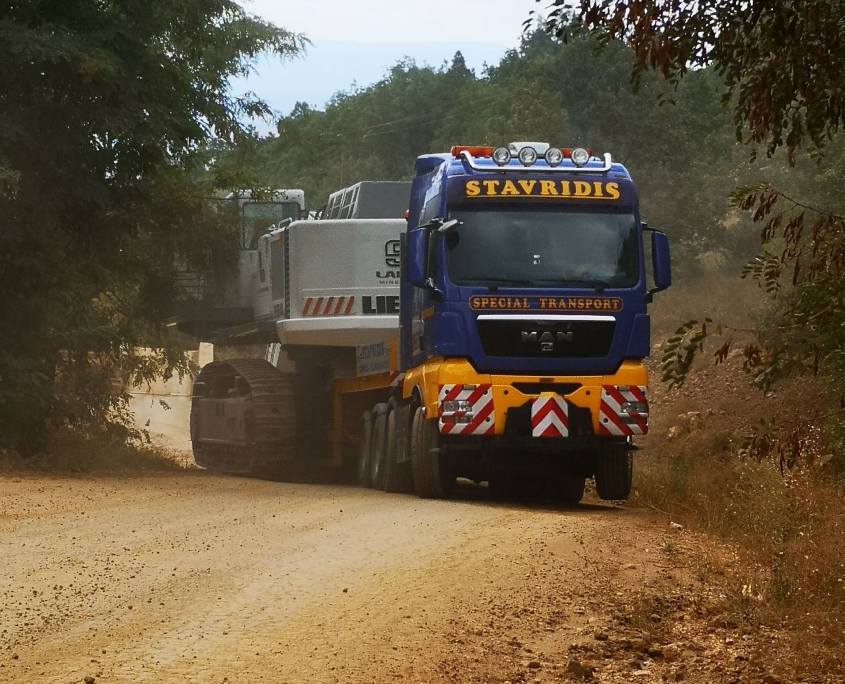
x=331, y=282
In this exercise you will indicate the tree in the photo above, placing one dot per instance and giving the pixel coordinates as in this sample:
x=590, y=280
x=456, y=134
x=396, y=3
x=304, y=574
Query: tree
x=104, y=109
x=784, y=67
x=784, y=61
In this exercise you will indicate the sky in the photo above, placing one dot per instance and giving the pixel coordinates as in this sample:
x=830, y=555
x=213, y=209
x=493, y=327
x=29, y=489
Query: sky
x=357, y=41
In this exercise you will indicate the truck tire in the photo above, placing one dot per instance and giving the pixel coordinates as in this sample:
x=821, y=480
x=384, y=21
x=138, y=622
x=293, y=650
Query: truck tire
x=425, y=457
x=397, y=476
x=364, y=447
x=378, y=447
x=614, y=470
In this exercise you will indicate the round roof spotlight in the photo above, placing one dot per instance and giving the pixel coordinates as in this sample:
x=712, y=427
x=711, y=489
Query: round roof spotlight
x=580, y=156
x=501, y=155
x=554, y=156
x=527, y=156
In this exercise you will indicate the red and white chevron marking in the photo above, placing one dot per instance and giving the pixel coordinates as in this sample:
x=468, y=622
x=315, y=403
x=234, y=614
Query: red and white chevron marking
x=328, y=306
x=480, y=420
x=396, y=378
x=549, y=417
x=612, y=420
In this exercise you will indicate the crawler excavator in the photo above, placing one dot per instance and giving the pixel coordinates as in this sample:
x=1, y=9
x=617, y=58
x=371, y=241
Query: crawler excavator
x=323, y=294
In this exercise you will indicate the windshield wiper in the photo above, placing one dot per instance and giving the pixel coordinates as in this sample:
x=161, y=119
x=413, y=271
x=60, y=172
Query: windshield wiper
x=597, y=285
x=494, y=284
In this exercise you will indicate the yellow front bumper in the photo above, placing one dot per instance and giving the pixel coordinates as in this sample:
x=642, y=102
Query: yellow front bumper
x=430, y=377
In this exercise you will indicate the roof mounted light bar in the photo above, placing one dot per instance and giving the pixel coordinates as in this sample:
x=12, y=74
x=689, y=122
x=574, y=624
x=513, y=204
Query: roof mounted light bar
x=475, y=166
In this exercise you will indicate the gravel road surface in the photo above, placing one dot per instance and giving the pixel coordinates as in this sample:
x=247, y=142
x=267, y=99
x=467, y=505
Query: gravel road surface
x=194, y=577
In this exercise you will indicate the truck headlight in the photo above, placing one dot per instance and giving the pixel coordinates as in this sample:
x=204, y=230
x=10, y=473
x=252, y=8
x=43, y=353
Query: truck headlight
x=579, y=156
x=554, y=156
x=639, y=407
x=456, y=406
x=527, y=155
x=501, y=155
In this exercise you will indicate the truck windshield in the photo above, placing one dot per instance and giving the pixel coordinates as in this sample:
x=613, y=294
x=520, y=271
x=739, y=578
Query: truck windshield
x=518, y=248
x=259, y=216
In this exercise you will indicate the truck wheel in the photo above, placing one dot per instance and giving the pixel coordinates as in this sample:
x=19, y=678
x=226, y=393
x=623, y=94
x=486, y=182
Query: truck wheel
x=568, y=490
x=614, y=469
x=425, y=457
x=378, y=446
x=365, y=444
x=397, y=476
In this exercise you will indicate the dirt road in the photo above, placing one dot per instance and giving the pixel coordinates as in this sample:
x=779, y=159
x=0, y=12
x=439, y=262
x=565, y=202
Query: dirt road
x=199, y=578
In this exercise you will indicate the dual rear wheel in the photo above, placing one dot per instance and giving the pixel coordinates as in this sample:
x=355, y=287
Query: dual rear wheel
x=378, y=456
x=379, y=466
x=432, y=477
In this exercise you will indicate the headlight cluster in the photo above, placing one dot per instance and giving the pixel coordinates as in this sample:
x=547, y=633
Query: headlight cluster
x=554, y=156
x=452, y=407
x=638, y=407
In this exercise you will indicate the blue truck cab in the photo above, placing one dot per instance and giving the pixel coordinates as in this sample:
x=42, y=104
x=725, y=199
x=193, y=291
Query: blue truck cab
x=523, y=318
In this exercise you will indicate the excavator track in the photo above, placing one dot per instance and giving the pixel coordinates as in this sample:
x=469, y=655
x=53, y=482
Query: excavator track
x=243, y=419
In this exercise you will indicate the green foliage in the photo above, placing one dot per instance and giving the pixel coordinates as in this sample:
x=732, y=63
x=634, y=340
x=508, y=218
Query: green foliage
x=783, y=61
x=104, y=108
x=680, y=351
x=765, y=268
x=810, y=256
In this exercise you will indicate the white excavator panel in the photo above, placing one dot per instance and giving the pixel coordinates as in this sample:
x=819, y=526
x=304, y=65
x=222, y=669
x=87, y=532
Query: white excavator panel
x=344, y=282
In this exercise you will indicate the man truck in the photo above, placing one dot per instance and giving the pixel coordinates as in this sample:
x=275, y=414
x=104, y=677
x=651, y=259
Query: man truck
x=496, y=334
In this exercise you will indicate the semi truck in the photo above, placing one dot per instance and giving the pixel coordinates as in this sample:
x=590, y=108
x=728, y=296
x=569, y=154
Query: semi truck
x=496, y=333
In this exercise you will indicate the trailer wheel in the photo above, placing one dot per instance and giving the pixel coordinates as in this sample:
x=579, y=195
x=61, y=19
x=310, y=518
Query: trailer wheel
x=614, y=470
x=378, y=446
x=397, y=476
x=364, y=447
x=429, y=479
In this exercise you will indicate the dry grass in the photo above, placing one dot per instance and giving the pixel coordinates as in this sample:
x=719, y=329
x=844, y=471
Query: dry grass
x=789, y=533
x=787, y=523
x=71, y=451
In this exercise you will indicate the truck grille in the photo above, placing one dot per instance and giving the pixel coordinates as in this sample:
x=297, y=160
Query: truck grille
x=529, y=338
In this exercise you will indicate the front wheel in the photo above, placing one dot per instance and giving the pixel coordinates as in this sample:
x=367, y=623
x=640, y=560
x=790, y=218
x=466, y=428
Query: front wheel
x=429, y=481
x=614, y=472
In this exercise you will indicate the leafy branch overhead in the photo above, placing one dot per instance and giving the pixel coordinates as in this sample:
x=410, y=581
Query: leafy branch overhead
x=783, y=62
x=805, y=247
x=680, y=351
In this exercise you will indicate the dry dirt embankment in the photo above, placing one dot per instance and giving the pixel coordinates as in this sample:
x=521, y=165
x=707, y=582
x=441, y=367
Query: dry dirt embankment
x=194, y=577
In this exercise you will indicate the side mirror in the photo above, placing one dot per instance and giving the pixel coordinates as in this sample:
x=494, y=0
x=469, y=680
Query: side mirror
x=449, y=226
x=660, y=261
x=417, y=245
